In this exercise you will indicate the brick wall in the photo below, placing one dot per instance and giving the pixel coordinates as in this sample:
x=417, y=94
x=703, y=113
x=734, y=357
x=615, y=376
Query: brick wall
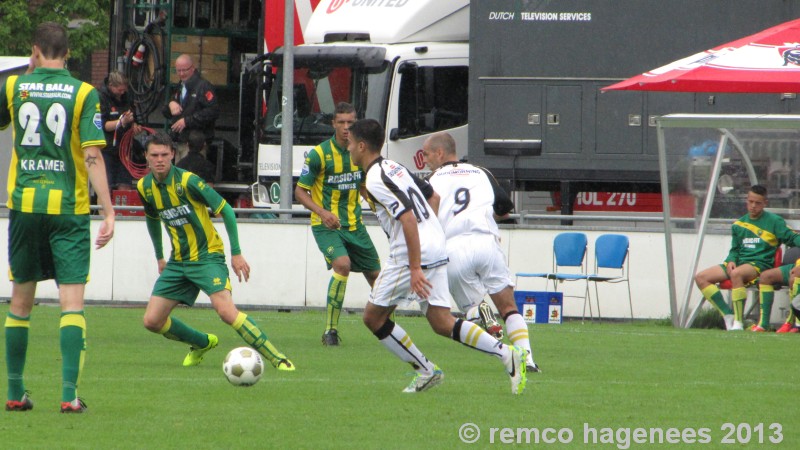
x=99, y=67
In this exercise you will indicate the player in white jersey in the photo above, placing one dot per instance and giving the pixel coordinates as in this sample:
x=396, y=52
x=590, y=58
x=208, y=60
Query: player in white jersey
x=415, y=269
x=470, y=200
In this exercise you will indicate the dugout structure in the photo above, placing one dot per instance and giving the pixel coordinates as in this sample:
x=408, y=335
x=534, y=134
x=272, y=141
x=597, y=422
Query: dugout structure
x=707, y=164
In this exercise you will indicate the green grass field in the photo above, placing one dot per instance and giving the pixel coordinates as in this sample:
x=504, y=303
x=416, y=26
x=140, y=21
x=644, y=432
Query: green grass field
x=609, y=377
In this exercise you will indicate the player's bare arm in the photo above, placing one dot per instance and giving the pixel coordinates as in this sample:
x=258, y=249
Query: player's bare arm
x=434, y=202
x=93, y=159
x=419, y=284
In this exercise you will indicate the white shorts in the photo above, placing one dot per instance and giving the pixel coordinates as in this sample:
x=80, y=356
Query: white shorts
x=393, y=287
x=477, y=266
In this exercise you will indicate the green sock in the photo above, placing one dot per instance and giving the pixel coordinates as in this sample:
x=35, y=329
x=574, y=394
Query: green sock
x=176, y=330
x=16, y=349
x=766, y=297
x=73, y=352
x=738, y=295
x=714, y=296
x=792, y=293
x=336, y=288
x=252, y=334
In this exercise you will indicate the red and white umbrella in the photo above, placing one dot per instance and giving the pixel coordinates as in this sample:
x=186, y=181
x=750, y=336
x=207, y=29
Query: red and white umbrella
x=765, y=62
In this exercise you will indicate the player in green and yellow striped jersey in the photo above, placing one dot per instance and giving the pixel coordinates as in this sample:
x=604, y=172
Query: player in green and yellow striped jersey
x=330, y=187
x=180, y=200
x=755, y=238
x=57, y=140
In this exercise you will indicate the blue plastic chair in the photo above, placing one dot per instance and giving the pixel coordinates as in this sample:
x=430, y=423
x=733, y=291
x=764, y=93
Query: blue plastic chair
x=611, y=264
x=569, y=252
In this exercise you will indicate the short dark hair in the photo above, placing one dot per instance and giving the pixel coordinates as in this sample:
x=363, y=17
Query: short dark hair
x=759, y=189
x=159, y=138
x=196, y=141
x=370, y=132
x=344, y=108
x=51, y=38
x=444, y=141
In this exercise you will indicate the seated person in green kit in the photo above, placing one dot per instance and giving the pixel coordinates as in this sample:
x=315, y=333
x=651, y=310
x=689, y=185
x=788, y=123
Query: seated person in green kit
x=755, y=239
x=778, y=276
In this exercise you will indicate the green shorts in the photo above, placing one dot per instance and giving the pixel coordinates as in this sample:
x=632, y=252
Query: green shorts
x=752, y=282
x=48, y=246
x=182, y=281
x=356, y=244
x=785, y=273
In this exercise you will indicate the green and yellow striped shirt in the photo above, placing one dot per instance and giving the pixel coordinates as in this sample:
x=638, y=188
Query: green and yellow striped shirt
x=181, y=202
x=54, y=117
x=334, y=183
x=755, y=241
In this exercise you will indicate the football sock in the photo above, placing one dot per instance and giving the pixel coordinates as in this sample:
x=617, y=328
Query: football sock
x=792, y=319
x=174, y=329
x=738, y=296
x=766, y=296
x=397, y=341
x=714, y=296
x=16, y=349
x=73, y=352
x=794, y=310
x=474, y=336
x=336, y=288
x=517, y=332
x=252, y=334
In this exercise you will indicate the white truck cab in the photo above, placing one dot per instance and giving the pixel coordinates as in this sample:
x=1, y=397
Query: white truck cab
x=401, y=62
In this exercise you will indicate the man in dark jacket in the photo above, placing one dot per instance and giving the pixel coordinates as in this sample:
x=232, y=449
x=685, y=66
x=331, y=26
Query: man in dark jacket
x=193, y=105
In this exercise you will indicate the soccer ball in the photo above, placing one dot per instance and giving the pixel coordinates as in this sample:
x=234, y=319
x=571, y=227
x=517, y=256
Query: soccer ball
x=243, y=366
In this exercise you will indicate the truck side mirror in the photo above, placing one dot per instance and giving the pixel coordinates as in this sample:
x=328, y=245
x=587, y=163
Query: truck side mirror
x=407, y=68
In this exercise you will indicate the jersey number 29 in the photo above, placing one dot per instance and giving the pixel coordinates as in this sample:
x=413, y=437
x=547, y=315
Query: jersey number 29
x=30, y=116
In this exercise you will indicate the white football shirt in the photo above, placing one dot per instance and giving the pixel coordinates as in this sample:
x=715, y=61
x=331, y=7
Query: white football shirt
x=395, y=190
x=468, y=198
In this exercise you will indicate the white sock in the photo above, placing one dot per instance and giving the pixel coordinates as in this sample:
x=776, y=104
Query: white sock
x=474, y=336
x=517, y=332
x=399, y=343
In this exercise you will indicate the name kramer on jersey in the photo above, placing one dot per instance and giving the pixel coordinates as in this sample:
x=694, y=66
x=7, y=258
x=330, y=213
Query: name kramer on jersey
x=349, y=180
x=175, y=217
x=52, y=165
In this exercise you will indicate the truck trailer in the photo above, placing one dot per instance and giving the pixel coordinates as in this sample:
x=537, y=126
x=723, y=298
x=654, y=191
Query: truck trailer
x=516, y=83
x=536, y=114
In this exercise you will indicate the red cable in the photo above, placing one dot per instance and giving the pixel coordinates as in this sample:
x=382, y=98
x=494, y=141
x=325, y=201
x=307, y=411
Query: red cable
x=137, y=170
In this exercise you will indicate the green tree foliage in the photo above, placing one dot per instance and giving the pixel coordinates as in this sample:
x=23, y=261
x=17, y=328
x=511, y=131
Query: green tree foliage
x=86, y=20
